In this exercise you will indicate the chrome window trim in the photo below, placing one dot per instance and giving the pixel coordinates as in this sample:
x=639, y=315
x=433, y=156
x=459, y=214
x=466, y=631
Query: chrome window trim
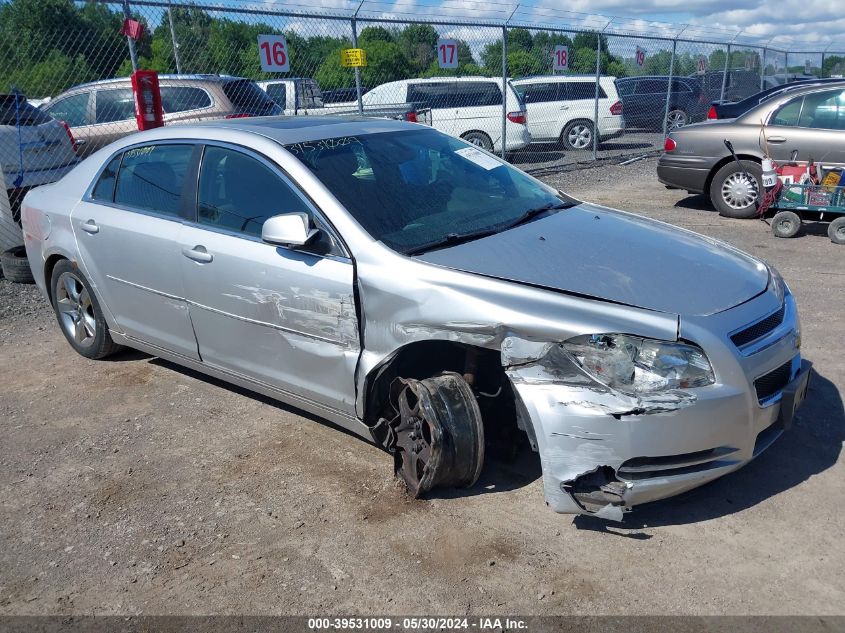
x=88, y=197
x=296, y=189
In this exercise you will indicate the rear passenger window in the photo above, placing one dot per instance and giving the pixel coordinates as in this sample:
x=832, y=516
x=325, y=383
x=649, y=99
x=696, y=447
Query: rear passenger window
x=182, y=98
x=539, y=93
x=104, y=189
x=430, y=95
x=151, y=178
x=476, y=94
x=278, y=93
x=651, y=86
x=72, y=110
x=585, y=90
x=115, y=105
x=238, y=192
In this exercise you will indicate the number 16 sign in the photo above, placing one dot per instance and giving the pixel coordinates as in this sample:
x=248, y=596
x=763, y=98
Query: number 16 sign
x=273, y=52
x=561, y=58
x=447, y=53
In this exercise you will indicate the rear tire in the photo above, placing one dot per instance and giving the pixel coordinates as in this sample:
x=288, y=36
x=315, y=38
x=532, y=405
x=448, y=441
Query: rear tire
x=78, y=312
x=786, y=224
x=16, y=266
x=732, y=194
x=578, y=135
x=675, y=119
x=479, y=139
x=836, y=230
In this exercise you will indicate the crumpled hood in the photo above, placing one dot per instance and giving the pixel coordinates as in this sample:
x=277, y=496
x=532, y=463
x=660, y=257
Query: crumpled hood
x=615, y=256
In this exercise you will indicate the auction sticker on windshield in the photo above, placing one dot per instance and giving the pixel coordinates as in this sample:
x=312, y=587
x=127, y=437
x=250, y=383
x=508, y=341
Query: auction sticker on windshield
x=478, y=157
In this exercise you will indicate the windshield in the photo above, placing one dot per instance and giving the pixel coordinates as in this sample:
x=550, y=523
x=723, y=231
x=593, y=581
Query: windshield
x=248, y=98
x=412, y=189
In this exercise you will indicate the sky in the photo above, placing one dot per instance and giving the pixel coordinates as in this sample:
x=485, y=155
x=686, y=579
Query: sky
x=810, y=24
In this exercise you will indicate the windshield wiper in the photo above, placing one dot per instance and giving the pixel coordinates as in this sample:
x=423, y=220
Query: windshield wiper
x=450, y=239
x=533, y=213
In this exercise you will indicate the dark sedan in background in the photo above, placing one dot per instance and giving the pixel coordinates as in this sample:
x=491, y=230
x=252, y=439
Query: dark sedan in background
x=644, y=101
x=810, y=122
x=728, y=109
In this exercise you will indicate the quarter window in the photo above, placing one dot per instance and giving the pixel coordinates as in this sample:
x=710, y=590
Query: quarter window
x=104, y=189
x=72, y=110
x=238, y=192
x=152, y=177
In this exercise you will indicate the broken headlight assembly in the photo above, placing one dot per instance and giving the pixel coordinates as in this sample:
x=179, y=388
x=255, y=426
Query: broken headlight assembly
x=639, y=365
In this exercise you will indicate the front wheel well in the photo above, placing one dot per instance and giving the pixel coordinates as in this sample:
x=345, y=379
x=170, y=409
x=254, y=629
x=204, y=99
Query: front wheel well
x=481, y=368
x=724, y=162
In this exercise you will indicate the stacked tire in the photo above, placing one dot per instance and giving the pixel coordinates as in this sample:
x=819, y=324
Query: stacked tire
x=16, y=266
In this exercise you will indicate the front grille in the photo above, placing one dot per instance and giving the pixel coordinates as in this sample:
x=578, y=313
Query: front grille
x=773, y=382
x=759, y=329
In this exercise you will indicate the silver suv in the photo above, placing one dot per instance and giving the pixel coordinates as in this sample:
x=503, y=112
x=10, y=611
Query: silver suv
x=103, y=111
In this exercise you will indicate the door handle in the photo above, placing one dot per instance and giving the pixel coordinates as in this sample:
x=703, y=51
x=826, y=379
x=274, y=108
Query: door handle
x=90, y=227
x=776, y=139
x=564, y=107
x=198, y=254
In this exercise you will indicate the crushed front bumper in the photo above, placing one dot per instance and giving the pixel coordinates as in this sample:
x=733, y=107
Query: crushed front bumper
x=603, y=452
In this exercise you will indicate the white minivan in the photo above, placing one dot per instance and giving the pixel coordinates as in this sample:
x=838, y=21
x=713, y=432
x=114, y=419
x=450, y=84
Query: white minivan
x=467, y=107
x=562, y=108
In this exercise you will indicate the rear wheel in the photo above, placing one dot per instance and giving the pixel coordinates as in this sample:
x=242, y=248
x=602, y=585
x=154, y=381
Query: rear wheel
x=438, y=435
x=733, y=193
x=836, y=230
x=480, y=139
x=78, y=312
x=578, y=135
x=786, y=224
x=16, y=266
x=676, y=118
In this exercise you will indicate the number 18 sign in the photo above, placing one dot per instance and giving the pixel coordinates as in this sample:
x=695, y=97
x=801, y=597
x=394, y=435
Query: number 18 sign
x=273, y=52
x=447, y=53
x=561, y=58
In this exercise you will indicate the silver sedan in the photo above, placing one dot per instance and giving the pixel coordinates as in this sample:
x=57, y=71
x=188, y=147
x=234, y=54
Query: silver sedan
x=428, y=297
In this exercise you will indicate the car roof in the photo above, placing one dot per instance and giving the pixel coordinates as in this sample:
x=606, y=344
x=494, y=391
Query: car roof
x=666, y=77
x=428, y=80
x=791, y=94
x=193, y=77
x=286, y=129
x=562, y=78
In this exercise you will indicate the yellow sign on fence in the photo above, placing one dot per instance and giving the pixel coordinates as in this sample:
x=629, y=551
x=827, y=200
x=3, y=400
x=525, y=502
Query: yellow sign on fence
x=353, y=57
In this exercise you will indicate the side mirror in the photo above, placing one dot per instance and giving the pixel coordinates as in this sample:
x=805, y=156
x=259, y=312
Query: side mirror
x=288, y=229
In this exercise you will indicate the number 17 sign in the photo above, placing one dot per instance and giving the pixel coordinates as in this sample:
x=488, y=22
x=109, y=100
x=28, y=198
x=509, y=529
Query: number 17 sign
x=447, y=53
x=561, y=58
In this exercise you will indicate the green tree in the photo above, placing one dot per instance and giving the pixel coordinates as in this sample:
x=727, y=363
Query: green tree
x=418, y=42
x=522, y=63
x=375, y=34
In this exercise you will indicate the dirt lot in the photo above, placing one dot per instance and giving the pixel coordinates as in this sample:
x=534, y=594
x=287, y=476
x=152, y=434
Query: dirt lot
x=133, y=486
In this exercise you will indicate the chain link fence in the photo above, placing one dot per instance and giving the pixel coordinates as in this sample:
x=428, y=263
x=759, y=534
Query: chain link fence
x=545, y=87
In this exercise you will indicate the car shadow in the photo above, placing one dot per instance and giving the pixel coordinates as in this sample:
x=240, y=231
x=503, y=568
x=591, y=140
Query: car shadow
x=696, y=202
x=810, y=447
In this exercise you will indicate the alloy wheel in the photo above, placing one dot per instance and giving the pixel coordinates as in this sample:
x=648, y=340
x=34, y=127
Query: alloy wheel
x=580, y=136
x=76, y=310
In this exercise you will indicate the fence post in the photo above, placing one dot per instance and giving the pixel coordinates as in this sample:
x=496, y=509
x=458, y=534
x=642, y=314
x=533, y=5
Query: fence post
x=669, y=87
x=763, y=69
x=133, y=55
x=357, y=68
x=596, y=97
x=821, y=69
x=725, y=74
x=173, y=38
x=504, y=86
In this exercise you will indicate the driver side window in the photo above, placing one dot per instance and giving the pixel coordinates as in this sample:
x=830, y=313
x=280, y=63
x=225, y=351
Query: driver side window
x=238, y=193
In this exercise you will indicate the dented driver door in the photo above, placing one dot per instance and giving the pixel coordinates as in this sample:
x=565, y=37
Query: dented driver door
x=283, y=317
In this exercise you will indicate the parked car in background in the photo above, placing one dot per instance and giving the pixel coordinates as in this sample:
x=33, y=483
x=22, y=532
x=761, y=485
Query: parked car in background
x=294, y=95
x=302, y=96
x=467, y=107
x=809, y=121
x=732, y=109
x=741, y=83
x=562, y=108
x=35, y=149
x=342, y=95
x=429, y=298
x=644, y=100
x=103, y=111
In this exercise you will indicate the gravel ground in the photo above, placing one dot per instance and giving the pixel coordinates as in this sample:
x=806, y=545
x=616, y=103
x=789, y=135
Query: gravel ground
x=133, y=486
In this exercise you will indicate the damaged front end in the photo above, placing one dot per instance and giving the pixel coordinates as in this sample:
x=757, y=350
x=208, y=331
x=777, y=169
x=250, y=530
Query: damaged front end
x=585, y=426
